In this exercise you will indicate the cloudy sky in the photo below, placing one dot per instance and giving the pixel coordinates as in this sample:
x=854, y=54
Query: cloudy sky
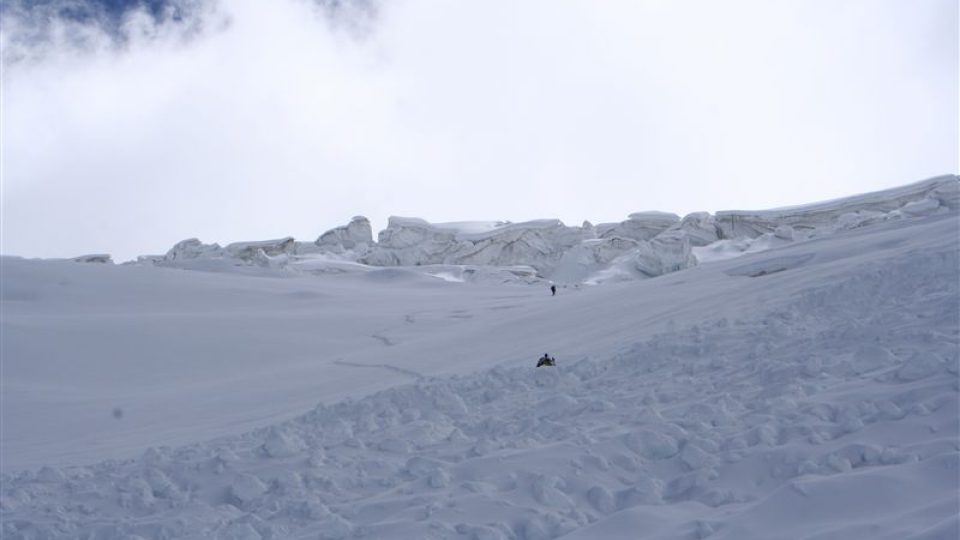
x=127, y=129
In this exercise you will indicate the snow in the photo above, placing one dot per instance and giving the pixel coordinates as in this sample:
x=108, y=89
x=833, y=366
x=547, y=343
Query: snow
x=939, y=187
x=807, y=388
x=356, y=235
x=646, y=245
x=473, y=227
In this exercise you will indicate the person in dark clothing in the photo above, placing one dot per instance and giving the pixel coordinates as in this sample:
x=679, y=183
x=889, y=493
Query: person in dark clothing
x=546, y=360
x=553, y=290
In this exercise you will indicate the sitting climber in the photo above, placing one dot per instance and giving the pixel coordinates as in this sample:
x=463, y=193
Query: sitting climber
x=546, y=360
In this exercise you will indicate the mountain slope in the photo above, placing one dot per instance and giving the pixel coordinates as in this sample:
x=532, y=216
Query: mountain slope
x=807, y=391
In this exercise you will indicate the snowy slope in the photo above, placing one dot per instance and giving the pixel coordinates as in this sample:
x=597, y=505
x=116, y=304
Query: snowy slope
x=807, y=391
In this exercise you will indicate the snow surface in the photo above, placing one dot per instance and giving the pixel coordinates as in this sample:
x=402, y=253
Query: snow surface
x=806, y=391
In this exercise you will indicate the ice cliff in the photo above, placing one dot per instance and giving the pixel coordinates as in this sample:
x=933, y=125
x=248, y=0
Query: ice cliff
x=647, y=244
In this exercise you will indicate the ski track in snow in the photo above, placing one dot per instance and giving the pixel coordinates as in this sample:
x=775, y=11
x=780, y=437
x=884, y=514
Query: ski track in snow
x=383, y=339
x=831, y=416
x=395, y=369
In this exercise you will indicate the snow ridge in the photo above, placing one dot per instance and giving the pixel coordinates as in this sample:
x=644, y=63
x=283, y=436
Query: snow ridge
x=648, y=244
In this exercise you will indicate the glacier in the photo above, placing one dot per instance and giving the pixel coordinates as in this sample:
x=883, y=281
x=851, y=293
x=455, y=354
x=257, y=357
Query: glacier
x=799, y=379
x=647, y=244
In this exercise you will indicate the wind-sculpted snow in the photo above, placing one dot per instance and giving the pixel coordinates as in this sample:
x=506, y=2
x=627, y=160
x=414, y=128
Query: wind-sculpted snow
x=828, y=412
x=646, y=245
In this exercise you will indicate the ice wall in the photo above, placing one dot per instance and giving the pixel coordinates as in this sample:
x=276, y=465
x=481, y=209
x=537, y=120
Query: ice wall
x=645, y=245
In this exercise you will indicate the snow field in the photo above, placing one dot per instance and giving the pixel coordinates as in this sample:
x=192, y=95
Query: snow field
x=820, y=409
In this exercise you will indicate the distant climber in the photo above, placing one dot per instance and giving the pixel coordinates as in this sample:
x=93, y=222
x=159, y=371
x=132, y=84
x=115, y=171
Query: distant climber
x=546, y=360
x=553, y=290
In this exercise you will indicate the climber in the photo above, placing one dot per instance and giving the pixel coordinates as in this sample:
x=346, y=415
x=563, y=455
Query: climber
x=546, y=360
x=553, y=290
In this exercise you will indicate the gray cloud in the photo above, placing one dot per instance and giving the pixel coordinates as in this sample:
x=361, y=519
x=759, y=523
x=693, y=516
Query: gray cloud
x=269, y=119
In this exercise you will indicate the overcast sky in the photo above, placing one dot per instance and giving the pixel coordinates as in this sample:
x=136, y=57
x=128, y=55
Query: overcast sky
x=259, y=120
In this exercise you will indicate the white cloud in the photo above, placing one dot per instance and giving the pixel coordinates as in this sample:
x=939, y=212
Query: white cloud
x=280, y=123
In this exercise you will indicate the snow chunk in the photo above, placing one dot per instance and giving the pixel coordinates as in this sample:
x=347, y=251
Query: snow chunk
x=439, y=479
x=601, y=499
x=646, y=490
x=161, y=485
x=247, y=487
x=651, y=444
x=546, y=493
x=922, y=207
x=694, y=457
x=449, y=403
x=280, y=444
x=784, y=232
